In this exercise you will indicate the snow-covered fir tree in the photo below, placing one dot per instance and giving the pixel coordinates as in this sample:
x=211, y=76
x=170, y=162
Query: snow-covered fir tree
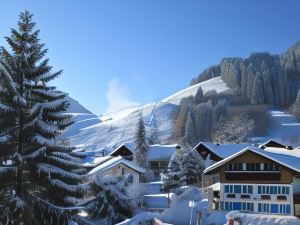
x=185, y=167
x=37, y=173
x=296, y=107
x=141, y=147
x=110, y=199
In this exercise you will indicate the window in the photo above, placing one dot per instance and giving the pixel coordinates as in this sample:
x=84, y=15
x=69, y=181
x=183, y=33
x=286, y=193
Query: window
x=250, y=189
x=123, y=171
x=244, y=166
x=228, y=188
x=263, y=207
x=250, y=207
x=237, y=189
x=257, y=166
x=246, y=206
x=259, y=190
x=237, y=205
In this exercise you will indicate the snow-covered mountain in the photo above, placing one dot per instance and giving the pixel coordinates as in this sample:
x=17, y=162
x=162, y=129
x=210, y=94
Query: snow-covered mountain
x=95, y=133
x=108, y=131
x=76, y=107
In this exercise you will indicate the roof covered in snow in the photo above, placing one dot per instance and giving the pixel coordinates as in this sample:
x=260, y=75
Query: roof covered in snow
x=278, y=142
x=223, y=150
x=155, y=152
x=114, y=161
x=287, y=160
x=90, y=161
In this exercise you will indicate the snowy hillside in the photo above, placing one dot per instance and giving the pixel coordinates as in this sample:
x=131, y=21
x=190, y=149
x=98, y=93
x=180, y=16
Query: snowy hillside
x=95, y=133
x=214, y=84
x=76, y=107
x=110, y=130
x=284, y=127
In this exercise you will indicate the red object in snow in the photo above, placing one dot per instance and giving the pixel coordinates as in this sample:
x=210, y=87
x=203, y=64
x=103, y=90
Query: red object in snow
x=231, y=222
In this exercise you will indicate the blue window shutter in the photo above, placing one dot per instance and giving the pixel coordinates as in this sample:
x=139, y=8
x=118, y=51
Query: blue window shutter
x=274, y=208
x=226, y=189
x=288, y=209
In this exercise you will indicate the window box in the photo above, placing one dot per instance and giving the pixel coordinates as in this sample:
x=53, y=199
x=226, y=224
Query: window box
x=245, y=196
x=281, y=197
x=265, y=197
x=230, y=195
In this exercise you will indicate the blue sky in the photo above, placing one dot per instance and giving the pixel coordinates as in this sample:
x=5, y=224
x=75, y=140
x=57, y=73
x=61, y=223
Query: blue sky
x=136, y=51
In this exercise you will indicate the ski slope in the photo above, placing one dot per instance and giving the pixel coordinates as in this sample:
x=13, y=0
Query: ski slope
x=95, y=133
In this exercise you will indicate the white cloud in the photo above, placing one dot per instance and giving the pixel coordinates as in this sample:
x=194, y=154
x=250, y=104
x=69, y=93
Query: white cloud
x=118, y=96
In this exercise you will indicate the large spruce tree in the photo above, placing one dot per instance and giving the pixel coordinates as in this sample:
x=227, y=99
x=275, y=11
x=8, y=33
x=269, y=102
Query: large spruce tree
x=38, y=179
x=141, y=148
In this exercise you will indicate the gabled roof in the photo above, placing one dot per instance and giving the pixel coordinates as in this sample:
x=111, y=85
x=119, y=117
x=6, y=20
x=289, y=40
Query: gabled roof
x=129, y=146
x=155, y=152
x=223, y=150
x=279, y=142
x=287, y=160
x=90, y=161
x=113, y=162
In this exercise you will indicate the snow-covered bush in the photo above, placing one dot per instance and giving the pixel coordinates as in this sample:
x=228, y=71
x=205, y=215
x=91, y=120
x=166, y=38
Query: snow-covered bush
x=234, y=218
x=110, y=199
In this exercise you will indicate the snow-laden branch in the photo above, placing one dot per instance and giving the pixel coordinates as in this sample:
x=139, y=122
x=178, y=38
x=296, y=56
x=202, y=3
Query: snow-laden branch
x=46, y=168
x=69, y=187
x=36, y=153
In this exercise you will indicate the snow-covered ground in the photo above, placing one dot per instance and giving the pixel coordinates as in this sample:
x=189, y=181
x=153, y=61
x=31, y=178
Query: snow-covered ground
x=219, y=218
x=284, y=127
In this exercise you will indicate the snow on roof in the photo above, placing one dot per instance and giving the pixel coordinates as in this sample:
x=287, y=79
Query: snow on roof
x=294, y=153
x=113, y=162
x=223, y=150
x=155, y=152
x=94, y=161
x=130, y=146
x=286, y=145
x=286, y=160
x=161, y=152
x=215, y=186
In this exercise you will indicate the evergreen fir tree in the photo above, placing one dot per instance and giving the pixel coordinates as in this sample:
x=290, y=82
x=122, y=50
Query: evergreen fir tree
x=296, y=107
x=257, y=90
x=199, y=96
x=185, y=167
x=141, y=146
x=110, y=199
x=189, y=136
x=37, y=185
